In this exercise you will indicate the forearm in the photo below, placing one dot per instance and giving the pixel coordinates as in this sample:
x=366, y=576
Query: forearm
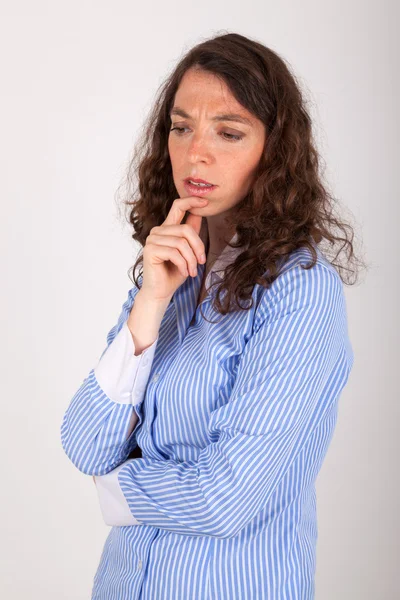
x=144, y=323
x=98, y=426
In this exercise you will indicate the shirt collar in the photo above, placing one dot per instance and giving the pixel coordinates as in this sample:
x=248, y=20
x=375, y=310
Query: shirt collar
x=185, y=298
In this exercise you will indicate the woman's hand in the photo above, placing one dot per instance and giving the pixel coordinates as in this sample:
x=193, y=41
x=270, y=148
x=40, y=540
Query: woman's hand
x=172, y=250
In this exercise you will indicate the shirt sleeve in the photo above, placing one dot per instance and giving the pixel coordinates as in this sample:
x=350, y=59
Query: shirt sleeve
x=288, y=382
x=122, y=375
x=94, y=429
x=114, y=508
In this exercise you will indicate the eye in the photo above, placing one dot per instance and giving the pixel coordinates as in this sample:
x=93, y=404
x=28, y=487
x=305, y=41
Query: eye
x=178, y=129
x=231, y=137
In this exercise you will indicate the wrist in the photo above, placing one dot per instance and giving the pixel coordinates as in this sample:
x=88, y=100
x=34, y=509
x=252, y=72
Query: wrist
x=145, y=319
x=146, y=299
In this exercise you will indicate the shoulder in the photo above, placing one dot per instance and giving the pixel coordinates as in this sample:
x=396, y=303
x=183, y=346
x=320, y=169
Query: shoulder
x=298, y=287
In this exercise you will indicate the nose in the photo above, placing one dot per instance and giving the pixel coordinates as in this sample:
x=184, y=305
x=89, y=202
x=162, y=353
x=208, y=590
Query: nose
x=198, y=149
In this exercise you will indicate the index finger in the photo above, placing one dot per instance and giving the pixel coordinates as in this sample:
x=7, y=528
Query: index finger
x=180, y=206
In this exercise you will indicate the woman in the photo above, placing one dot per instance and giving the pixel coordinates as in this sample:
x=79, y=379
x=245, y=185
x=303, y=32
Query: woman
x=208, y=416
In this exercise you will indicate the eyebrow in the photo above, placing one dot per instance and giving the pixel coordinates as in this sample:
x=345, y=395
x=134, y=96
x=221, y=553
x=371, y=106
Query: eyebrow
x=224, y=117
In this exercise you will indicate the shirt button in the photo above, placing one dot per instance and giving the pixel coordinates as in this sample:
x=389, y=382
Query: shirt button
x=145, y=361
x=140, y=564
x=156, y=377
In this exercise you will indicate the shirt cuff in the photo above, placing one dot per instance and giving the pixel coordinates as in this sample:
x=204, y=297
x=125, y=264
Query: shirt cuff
x=122, y=375
x=114, y=507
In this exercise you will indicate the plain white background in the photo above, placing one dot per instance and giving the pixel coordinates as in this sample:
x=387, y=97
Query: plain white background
x=77, y=80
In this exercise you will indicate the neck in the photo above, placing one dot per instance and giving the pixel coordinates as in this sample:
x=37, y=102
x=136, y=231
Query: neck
x=215, y=235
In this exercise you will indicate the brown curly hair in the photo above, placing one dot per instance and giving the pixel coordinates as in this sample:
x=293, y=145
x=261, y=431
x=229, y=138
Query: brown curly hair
x=288, y=206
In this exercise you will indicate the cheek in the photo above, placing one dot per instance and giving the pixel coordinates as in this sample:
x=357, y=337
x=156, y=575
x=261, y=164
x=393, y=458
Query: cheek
x=176, y=155
x=171, y=147
x=235, y=174
x=171, y=150
x=247, y=166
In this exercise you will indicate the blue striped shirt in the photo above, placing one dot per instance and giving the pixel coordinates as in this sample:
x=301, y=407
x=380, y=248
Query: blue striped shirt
x=233, y=426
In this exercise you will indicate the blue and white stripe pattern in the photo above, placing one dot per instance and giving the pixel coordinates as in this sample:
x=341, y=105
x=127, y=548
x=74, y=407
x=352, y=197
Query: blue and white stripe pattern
x=234, y=425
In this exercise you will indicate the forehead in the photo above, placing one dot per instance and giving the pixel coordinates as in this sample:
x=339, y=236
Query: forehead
x=200, y=89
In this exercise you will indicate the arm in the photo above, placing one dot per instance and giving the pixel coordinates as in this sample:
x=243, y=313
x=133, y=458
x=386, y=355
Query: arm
x=98, y=430
x=289, y=377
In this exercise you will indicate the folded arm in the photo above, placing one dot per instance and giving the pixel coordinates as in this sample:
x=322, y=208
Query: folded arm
x=98, y=430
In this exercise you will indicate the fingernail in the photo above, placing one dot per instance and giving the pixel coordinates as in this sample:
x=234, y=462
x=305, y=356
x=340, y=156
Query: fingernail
x=202, y=257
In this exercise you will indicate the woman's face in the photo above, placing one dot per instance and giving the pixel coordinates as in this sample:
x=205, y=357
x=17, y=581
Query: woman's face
x=223, y=152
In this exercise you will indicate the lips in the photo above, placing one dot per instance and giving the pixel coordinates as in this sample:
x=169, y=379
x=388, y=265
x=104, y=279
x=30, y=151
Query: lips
x=195, y=180
x=196, y=190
